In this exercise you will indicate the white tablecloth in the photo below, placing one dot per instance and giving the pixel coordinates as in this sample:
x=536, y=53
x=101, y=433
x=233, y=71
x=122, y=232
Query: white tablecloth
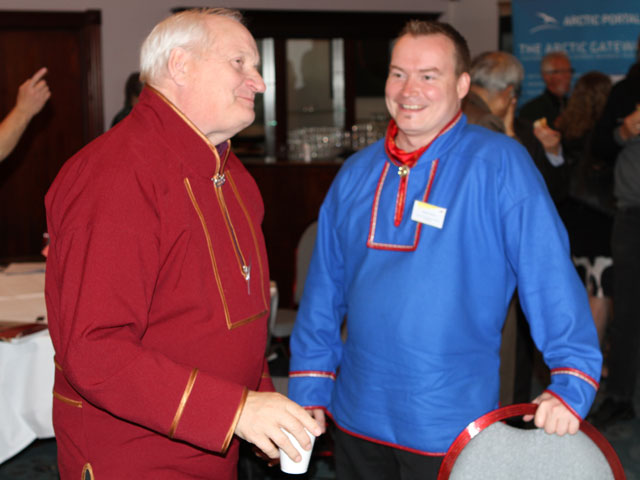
x=26, y=385
x=26, y=364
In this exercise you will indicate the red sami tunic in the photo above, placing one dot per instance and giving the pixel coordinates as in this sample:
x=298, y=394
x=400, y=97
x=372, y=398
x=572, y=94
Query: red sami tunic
x=158, y=329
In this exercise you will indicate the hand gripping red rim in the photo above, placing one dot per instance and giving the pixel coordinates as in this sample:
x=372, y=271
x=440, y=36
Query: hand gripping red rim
x=516, y=410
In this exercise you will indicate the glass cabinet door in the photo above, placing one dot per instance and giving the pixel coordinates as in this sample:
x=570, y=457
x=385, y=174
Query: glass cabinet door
x=315, y=99
x=325, y=82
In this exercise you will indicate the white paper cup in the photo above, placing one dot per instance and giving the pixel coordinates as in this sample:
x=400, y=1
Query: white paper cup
x=287, y=465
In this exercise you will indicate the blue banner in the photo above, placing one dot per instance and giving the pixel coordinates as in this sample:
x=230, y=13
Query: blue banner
x=595, y=34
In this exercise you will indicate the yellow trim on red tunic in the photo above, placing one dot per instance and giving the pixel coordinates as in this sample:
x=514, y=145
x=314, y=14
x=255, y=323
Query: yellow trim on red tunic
x=183, y=402
x=67, y=400
x=236, y=419
x=87, y=468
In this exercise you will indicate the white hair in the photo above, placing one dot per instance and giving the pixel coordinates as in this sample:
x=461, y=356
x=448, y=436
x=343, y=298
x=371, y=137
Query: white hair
x=187, y=29
x=495, y=71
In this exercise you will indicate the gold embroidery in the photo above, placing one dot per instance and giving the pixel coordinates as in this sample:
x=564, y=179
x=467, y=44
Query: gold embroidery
x=210, y=247
x=247, y=320
x=183, y=402
x=87, y=468
x=227, y=316
x=67, y=400
x=232, y=429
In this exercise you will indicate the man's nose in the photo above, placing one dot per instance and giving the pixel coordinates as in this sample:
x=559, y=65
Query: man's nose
x=409, y=87
x=256, y=82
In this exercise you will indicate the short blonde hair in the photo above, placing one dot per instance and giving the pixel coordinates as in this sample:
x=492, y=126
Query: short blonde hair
x=187, y=29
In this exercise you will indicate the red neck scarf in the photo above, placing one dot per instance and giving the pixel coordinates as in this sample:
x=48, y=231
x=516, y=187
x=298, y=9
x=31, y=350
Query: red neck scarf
x=396, y=154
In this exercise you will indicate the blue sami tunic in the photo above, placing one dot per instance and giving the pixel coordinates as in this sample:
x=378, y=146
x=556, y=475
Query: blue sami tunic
x=425, y=306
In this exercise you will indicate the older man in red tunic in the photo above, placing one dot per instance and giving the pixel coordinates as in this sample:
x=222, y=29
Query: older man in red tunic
x=157, y=276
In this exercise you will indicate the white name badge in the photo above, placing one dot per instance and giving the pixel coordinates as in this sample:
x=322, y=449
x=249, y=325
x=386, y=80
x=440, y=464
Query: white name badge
x=428, y=214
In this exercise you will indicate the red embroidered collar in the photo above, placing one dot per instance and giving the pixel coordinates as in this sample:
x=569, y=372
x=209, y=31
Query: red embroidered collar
x=405, y=161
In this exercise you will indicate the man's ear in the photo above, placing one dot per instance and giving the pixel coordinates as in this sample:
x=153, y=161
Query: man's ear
x=510, y=92
x=464, y=82
x=179, y=65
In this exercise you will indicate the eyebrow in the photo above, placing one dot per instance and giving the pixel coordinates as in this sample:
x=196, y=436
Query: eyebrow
x=422, y=70
x=247, y=54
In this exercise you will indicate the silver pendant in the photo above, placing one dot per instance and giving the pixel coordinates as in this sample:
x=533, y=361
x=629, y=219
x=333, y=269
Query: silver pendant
x=246, y=272
x=218, y=180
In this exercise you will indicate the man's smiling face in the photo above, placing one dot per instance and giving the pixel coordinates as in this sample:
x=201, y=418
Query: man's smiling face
x=423, y=91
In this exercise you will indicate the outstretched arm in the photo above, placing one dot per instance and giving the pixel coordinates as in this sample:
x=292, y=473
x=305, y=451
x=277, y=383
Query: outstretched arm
x=32, y=95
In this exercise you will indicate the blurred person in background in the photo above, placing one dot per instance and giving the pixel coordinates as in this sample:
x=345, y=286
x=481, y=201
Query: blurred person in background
x=588, y=212
x=132, y=90
x=617, y=139
x=556, y=72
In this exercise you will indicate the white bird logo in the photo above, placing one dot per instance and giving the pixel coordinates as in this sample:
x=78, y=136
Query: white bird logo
x=546, y=18
x=548, y=22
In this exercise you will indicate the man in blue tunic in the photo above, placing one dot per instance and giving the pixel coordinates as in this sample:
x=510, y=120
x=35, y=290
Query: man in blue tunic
x=421, y=242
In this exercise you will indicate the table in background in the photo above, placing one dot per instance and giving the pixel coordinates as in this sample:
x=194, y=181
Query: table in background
x=26, y=363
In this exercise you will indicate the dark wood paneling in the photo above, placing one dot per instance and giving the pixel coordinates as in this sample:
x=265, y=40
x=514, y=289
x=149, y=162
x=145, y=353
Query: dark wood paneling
x=292, y=195
x=68, y=44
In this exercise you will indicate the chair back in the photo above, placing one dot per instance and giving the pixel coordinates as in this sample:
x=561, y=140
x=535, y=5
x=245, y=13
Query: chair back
x=490, y=449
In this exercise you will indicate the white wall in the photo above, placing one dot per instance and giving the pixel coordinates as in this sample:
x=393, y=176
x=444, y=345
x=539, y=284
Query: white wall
x=125, y=24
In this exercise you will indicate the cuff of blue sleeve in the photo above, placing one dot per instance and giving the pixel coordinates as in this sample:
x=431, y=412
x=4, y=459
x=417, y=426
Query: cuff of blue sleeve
x=311, y=389
x=576, y=390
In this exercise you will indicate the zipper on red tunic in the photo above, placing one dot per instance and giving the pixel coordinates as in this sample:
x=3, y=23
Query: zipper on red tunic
x=218, y=181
